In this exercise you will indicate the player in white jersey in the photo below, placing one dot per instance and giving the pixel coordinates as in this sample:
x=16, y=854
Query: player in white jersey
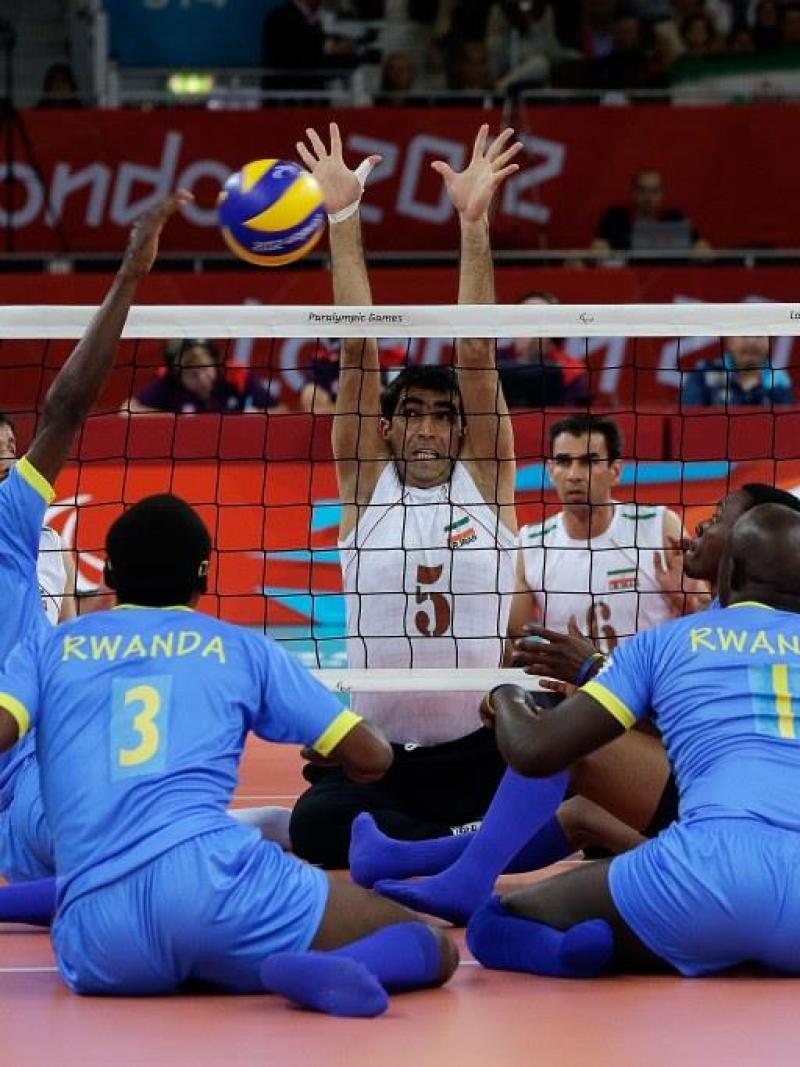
x=427, y=535
x=598, y=566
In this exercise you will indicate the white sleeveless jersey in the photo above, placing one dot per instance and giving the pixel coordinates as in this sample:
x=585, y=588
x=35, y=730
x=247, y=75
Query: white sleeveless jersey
x=608, y=584
x=51, y=572
x=428, y=576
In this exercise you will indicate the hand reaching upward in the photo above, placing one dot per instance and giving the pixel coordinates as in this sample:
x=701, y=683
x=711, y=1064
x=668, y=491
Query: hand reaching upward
x=143, y=242
x=339, y=184
x=471, y=190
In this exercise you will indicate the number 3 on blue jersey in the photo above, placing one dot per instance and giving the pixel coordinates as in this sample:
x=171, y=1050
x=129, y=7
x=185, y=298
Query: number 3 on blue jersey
x=139, y=725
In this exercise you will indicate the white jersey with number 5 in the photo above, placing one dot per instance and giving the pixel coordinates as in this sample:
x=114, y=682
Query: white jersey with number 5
x=428, y=576
x=607, y=584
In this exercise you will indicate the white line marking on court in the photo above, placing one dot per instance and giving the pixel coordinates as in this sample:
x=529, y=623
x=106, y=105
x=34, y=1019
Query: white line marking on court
x=28, y=970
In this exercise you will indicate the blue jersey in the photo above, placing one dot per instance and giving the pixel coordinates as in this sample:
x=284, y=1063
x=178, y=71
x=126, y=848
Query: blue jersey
x=724, y=686
x=141, y=715
x=24, y=496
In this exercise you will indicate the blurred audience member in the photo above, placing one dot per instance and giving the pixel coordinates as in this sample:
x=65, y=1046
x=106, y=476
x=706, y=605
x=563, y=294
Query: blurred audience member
x=294, y=41
x=742, y=375
x=645, y=223
x=321, y=387
x=398, y=75
x=790, y=26
x=527, y=29
x=767, y=25
x=194, y=380
x=467, y=67
x=741, y=40
x=538, y=372
x=59, y=87
x=699, y=36
x=627, y=64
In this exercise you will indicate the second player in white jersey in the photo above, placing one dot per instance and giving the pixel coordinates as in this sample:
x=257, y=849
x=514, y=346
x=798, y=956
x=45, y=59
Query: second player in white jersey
x=51, y=572
x=609, y=584
x=428, y=575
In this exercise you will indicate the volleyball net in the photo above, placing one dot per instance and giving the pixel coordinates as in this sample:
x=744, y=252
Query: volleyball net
x=671, y=377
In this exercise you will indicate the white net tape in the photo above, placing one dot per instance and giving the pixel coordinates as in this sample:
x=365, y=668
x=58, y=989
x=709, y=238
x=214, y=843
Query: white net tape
x=448, y=321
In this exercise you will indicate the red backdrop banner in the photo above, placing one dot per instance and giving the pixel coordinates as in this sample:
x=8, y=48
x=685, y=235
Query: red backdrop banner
x=635, y=372
x=732, y=170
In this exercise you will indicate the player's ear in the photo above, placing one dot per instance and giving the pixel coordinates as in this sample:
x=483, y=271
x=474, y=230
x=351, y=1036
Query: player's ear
x=384, y=426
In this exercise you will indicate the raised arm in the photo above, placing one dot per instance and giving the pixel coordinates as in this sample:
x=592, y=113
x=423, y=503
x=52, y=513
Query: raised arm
x=489, y=445
x=358, y=448
x=79, y=382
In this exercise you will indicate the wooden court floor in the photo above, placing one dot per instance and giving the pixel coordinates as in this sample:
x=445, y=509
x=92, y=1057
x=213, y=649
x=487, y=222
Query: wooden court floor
x=481, y=1018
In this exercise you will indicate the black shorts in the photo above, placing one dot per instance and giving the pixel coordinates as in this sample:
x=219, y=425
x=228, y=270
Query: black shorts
x=666, y=811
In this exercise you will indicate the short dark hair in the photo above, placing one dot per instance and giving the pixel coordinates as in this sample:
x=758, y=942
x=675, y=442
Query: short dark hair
x=437, y=378
x=763, y=493
x=157, y=553
x=6, y=420
x=577, y=425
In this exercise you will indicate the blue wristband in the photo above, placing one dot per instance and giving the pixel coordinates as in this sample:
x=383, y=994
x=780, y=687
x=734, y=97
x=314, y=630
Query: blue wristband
x=585, y=668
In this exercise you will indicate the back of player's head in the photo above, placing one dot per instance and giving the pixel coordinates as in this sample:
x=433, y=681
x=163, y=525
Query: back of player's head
x=157, y=553
x=762, y=493
x=435, y=378
x=578, y=425
x=763, y=557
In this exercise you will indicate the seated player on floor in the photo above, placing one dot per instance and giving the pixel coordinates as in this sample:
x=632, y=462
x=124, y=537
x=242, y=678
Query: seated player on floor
x=720, y=887
x=141, y=716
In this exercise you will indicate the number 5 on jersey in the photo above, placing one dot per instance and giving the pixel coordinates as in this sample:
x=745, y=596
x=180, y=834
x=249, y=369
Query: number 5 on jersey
x=139, y=720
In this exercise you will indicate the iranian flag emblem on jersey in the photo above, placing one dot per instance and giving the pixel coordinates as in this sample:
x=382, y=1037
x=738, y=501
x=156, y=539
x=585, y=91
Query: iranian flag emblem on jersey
x=461, y=532
x=622, y=578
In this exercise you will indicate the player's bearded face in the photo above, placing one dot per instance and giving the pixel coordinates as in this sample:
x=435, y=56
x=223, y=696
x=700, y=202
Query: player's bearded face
x=424, y=435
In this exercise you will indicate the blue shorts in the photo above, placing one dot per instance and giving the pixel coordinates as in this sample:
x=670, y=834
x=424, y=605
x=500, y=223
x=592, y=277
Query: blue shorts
x=210, y=909
x=706, y=896
x=26, y=845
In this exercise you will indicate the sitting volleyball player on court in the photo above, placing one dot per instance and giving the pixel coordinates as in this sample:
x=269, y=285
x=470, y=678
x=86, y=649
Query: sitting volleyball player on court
x=141, y=715
x=624, y=792
x=598, y=565
x=426, y=480
x=25, y=492
x=721, y=886
x=32, y=575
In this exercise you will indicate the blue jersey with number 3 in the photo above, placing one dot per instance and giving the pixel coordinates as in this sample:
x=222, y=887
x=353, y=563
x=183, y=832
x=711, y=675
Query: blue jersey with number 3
x=141, y=715
x=725, y=689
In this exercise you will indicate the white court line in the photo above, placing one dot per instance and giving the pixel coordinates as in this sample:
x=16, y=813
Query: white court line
x=28, y=970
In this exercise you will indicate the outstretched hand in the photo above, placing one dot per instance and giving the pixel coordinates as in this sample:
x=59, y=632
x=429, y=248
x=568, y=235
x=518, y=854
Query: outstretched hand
x=552, y=654
x=340, y=186
x=140, y=255
x=471, y=190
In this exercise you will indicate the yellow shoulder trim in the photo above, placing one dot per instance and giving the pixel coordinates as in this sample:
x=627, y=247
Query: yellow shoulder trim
x=751, y=604
x=35, y=480
x=336, y=732
x=17, y=711
x=613, y=705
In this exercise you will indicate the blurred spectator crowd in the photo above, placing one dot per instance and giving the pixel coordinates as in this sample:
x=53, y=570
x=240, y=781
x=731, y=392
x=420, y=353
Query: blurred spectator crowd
x=500, y=46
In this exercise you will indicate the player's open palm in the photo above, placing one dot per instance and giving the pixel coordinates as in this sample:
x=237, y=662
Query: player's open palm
x=340, y=185
x=140, y=255
x=471, y=190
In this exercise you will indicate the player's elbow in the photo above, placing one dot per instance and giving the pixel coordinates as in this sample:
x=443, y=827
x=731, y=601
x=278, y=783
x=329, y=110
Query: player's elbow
x=365, y=754
x=535, y=760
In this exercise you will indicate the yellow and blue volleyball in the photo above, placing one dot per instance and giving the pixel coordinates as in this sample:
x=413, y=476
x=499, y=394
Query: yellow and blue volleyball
x=271, y=212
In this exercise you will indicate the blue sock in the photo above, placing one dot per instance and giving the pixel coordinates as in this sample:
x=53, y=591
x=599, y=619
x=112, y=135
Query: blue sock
x=519, y=807
x=29, y=902
x=507, y=942
x=374, y=855
x=402, y=957
x=548, y=845
x=354, y=979
x=323, y=982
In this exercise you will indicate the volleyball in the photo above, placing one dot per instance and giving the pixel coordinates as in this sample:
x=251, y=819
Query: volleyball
x=271, y=212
